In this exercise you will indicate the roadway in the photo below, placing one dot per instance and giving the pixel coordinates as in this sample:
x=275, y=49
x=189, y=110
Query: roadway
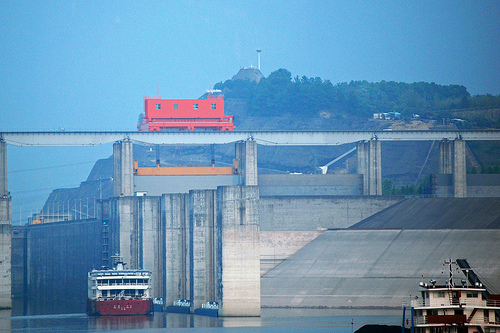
x=268, y=138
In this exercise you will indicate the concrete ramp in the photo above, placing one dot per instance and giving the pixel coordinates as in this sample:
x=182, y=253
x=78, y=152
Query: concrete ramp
x=376, y=268
x=437, y=213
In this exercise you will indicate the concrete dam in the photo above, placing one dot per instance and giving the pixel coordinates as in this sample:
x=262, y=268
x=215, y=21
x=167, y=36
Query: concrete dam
x=261, y=240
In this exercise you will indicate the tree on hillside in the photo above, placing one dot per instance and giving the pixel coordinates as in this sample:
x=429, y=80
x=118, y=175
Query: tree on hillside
x=280, y=94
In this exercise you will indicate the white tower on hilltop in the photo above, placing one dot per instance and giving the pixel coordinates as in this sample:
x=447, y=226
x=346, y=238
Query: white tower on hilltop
x=258, y=53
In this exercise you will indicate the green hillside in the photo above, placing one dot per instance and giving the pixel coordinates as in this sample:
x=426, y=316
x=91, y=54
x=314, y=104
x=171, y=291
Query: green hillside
x=281, y=95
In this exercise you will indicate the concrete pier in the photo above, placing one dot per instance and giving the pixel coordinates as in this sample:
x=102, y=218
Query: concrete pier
x=176, y=271
x=459, y=170
x=370, y=166
x=123, y=172
x=375, y=168
x=452, y=160
x=5, y=232
x=4, y=188
x=203, y=255
x=445, y=157
x=239, y=262
x=363, y=154
x=246, y=153
x=134, y=230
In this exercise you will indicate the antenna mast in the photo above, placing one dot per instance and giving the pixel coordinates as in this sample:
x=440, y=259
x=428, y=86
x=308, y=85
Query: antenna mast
x=258, y=57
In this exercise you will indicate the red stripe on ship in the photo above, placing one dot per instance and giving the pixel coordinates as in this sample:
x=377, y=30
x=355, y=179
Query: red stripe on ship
x=121, y=307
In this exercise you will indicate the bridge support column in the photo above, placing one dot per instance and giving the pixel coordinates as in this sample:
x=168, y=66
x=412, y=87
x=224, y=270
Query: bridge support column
x=452, y=160
x=5, y=232
x=445, y=157
x=246, y=153
x=123, y=173
x=370, y=166
x=363, y=158
x=4, y=188
x=459, y=169
x=238, y=251
x=375, y=168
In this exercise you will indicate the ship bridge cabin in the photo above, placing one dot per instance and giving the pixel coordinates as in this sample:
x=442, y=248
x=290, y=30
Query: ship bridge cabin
x=450, y=308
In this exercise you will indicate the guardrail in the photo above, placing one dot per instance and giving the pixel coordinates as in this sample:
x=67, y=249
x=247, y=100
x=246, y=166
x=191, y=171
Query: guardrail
x=424, y=320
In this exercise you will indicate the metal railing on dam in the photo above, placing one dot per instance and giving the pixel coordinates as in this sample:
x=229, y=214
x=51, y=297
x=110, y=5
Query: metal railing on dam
x=268, y=138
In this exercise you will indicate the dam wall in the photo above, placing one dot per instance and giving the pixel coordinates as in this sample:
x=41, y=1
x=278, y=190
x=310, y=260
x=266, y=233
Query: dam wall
x=58, y=257
x=308, y=213
x=478, y=185
x=193, y=241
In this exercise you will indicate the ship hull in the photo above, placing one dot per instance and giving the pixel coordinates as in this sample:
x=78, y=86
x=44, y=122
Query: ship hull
x=119, y=307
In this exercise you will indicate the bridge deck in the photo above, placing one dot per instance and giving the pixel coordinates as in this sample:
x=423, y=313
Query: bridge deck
x=268, y=138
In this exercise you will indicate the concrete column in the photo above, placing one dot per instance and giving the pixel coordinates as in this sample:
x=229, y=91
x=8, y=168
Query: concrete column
x=5, y=232
x=375, y=168
x=459, y=170
x=123, y=168
x=238, y=251
x=4, y=188
x=445, y=157
x=175, y=212
x=117, y=169
x=202, y=216
x=123, y=230
x=363, y=154
x=246, y=152
x=363, y=158
x=150, y=240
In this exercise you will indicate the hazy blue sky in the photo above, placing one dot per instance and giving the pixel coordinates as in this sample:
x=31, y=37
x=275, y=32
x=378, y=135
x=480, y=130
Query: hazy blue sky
x=86, y=65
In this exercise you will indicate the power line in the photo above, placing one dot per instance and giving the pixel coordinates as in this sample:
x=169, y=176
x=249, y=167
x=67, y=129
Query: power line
x=51, y=167
x=46, y=189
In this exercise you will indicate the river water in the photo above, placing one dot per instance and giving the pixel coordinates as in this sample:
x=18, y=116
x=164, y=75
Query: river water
x=271, y=320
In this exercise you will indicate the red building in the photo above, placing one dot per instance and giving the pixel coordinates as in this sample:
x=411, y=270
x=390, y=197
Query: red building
x=205, y=113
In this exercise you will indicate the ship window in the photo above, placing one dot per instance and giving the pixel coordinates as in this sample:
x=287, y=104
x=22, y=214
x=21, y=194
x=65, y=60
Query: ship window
x=176, y=106
x=441, y=294
x=471, y=295
x=213, y=106
x=158, y=106
x=195, y=106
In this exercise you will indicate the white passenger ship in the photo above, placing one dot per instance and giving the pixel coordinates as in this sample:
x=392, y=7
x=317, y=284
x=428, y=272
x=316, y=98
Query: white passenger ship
x=119, y=291
x=466, y=307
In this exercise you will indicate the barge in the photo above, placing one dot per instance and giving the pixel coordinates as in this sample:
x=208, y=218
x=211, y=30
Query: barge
x=463, y=306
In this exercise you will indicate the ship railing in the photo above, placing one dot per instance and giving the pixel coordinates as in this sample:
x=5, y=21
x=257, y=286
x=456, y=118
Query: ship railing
x=122, y=284
x=485, y=321
x=125, y=298
x=440, y=302
x=493, y=303
x=423, y=320
x=420, y=320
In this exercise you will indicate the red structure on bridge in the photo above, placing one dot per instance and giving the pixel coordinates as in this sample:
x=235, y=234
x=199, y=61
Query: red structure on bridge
x=205, y=113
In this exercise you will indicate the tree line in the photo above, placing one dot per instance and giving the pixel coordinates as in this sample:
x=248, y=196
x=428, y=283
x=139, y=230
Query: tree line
x=282, y=95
